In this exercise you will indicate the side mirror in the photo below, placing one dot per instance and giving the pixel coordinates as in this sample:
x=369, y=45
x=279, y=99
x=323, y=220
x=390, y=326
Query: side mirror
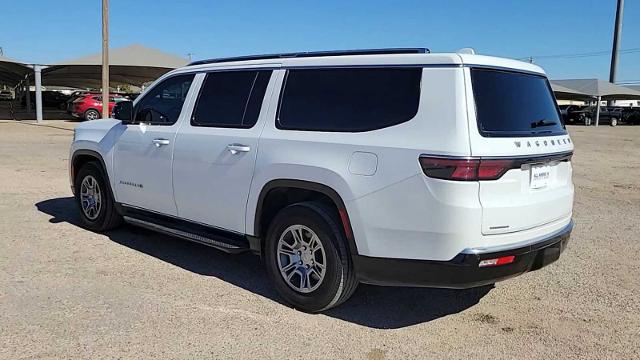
x=123, y=111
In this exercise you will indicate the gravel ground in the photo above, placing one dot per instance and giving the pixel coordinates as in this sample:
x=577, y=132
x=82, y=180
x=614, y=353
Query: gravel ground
x=69, y=293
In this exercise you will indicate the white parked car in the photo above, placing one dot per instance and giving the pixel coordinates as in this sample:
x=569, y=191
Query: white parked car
x=389, y=167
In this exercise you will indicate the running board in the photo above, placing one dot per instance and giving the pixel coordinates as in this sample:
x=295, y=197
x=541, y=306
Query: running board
x=186, y=235
x=231, y=243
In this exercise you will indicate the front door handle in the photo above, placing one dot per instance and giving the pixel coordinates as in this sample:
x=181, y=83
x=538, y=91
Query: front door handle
x=236, y=148
x=160, y=142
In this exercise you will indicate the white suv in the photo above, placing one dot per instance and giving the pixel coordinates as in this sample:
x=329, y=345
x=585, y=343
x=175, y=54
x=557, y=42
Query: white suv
x=389, y=167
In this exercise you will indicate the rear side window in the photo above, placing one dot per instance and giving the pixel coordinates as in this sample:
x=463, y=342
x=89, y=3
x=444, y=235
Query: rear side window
x=231, y=99
x=349, y=100
x=514, y=104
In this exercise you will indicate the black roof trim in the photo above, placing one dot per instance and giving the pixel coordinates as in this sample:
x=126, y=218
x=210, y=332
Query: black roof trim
x=316, y=54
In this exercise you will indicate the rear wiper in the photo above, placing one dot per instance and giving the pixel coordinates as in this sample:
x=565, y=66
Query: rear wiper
x=542, y=122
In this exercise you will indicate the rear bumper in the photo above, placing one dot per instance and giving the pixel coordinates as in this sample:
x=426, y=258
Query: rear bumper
x=463, y=271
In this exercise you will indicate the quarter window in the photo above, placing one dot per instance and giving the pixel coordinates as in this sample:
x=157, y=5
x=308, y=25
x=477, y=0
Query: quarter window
x=231, y=99
x=163, y=104
x=349, y=100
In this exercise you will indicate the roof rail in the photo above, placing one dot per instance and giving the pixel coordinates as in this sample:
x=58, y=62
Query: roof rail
x=316, y=54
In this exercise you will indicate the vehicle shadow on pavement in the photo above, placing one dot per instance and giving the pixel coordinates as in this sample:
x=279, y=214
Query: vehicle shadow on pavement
x=371, y=306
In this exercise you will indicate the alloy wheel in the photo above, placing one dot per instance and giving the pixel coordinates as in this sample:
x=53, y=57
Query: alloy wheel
x=90, y=197
x=301, y=258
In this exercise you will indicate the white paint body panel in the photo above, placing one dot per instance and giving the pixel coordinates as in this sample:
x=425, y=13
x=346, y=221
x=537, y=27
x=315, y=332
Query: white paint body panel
x=211, y=184
x=394, y=209
x=142, y=170
x=509, y=204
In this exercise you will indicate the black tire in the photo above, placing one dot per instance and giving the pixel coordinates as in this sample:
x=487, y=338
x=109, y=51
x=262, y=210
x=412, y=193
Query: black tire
x=92, y=114
x=614, y=121
x=107, y=217
x=339, y=281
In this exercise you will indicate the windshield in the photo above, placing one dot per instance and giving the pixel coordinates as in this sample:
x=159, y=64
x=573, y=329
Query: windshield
x=510, y=103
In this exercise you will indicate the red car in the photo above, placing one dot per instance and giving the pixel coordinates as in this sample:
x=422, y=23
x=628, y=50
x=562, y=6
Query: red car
x=89, y=106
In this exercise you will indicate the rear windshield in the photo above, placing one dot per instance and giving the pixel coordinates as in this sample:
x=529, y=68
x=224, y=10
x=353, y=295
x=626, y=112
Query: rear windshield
x=514, y=104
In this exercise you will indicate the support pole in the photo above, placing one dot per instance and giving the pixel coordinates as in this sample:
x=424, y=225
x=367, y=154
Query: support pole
x=598, y=111
x=27, y=87
x=105, y=59
x=617, y=37
x=38, y=75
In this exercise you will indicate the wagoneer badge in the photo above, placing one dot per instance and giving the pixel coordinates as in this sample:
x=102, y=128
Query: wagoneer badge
x=122, y=182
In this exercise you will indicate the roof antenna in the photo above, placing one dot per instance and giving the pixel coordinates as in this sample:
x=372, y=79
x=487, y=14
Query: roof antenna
x=467, y=50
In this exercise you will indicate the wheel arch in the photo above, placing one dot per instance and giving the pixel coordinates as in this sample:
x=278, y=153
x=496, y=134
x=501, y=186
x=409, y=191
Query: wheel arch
x=314, y=187
x=83, y=156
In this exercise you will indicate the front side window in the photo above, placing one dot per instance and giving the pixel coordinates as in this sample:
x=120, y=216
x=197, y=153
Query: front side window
x=163, y=104
x=514, y=104
x=231, y=99
x=349, y=100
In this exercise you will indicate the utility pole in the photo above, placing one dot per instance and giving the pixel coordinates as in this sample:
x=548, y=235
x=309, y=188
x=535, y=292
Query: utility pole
x=105, y=59
x=617, y=36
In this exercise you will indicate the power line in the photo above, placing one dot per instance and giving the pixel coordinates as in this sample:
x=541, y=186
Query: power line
x=580, y=55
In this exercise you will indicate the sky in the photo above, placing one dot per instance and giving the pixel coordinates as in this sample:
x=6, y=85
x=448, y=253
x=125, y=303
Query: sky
x=47, y=31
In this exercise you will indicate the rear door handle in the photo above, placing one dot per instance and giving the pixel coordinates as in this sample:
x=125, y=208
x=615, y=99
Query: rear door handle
x=236, y=148
x=160, y=142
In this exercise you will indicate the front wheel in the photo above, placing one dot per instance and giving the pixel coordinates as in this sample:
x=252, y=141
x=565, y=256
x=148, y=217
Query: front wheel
x=307, y=257
x=614, y=121
x=97, y=208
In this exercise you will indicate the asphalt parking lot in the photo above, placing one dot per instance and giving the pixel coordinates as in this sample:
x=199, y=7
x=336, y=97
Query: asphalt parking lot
x=69, y=293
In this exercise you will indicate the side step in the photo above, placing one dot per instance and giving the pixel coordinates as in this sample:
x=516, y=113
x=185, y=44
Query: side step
x=228, y=242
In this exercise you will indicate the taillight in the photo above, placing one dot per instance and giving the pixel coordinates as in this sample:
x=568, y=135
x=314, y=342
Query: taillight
x=465, y=169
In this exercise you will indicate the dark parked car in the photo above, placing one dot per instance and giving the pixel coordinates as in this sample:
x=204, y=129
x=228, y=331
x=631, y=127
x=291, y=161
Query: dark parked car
x=608, y=115
x=631, y=115
x=49, y=98
x=572, y=114
x=6, y=95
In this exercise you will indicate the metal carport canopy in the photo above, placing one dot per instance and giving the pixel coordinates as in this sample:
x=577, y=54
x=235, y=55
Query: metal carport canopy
x=12, y=72
x=564, y=93
x=130, y=65
x=598, y=89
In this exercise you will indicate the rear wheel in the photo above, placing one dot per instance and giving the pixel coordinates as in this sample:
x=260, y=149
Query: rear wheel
x=91, y=114
x=307, y=257
x=614, y=121
x=97, y=208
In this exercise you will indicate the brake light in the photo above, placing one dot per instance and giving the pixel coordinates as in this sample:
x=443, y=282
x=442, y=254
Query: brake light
x=465, y=169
